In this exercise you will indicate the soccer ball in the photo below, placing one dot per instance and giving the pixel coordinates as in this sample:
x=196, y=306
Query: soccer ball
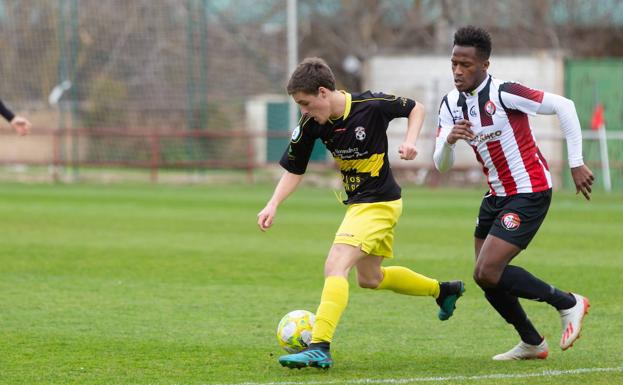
x=294, y=331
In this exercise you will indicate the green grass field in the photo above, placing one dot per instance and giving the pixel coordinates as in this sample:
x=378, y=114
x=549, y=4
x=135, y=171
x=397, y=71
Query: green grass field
x=176, y=285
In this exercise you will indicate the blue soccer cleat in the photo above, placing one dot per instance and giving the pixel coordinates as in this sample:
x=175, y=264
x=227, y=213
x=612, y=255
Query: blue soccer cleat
x=317, y=358
x=449, y=293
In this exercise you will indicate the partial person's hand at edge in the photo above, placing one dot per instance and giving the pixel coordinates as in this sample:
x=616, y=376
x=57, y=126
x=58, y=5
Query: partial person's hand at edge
x=21, y=125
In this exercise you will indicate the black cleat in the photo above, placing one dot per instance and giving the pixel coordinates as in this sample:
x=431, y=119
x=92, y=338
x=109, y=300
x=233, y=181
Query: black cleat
x=449, y=293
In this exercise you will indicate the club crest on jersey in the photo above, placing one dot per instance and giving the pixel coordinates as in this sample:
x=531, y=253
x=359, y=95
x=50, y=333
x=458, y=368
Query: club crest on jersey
x=511, y=221
x=296, y=134
x=472, y=112
x=490, y=108
x=360, y=133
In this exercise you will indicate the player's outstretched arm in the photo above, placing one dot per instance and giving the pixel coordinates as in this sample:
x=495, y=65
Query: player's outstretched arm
x=407, y=149
x=286, y=186
x=21, y=125
x=570, y=125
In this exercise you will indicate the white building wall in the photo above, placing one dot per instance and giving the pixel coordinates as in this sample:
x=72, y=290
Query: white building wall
x=256, y=122
x=428, y=78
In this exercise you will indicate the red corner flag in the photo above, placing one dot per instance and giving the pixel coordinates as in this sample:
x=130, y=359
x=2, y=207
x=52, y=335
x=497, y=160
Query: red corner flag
x=598, y=122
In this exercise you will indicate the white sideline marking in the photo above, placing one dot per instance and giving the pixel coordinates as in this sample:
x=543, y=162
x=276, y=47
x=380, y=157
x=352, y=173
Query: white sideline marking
x=545, y=373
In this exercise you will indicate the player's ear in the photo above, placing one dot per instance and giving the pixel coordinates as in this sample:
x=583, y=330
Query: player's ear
x=485, y=65
x=323, y=92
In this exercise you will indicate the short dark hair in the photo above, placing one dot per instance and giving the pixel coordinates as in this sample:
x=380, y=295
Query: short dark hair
x=309, y=75
x=478, y=38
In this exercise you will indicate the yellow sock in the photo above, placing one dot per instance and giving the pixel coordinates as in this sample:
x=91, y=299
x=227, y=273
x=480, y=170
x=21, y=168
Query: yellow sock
x=404, y=281
x=332, y=304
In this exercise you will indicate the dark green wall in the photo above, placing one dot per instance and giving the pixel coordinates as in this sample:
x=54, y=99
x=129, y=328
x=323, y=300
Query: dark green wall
x=592, y=81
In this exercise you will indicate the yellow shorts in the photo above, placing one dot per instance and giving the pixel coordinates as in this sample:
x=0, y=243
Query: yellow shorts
x=371, y=227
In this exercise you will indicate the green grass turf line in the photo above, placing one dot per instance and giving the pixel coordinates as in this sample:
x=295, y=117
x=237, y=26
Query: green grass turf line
x=141, y=284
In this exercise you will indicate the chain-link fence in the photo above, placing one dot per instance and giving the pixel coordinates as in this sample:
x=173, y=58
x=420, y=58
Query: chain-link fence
x=99, y=78
x=191, y=84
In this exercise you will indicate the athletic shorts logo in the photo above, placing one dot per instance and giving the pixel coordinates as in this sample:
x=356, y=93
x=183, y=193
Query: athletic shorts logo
x=490, y=108
x=511, y=221
x=296, y=134
x=360, y=133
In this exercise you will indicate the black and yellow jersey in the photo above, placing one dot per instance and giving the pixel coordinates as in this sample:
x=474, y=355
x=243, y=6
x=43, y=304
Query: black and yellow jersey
x=357, y=141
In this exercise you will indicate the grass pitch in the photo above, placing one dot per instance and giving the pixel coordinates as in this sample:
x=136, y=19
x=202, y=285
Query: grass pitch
x=176, y=285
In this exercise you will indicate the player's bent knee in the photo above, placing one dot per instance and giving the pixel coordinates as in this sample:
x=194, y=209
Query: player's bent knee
x=368, y=282
x=369, y=277
x=485, y=279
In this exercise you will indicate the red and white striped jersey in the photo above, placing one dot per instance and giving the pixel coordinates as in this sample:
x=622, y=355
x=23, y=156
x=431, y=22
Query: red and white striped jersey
x=504, y=143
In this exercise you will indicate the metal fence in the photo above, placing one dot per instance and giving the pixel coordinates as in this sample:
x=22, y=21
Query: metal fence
x=161, y=156
x=158, y=85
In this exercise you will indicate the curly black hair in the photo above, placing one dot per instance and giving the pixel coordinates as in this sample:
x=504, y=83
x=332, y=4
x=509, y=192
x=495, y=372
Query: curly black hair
x=478, y=38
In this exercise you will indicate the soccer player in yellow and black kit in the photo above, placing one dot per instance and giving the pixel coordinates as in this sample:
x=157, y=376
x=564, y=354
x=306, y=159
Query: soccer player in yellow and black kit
x=353, y=128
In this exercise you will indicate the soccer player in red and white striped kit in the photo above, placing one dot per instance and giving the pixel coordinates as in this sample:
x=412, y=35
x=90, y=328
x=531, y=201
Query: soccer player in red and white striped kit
x=491, y=115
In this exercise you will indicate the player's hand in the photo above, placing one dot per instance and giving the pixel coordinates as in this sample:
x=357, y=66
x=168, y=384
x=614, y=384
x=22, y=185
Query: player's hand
x=265, y=217
x=21, y=125
x=407, y=151
x=461, y=130
x=583, y=179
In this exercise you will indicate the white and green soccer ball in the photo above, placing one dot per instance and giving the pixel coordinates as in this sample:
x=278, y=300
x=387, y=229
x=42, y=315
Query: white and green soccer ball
x=294, y=331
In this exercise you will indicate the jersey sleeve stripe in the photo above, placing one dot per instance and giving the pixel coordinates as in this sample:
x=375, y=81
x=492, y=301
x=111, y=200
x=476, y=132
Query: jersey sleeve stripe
x=522, y=91
x=392, y=99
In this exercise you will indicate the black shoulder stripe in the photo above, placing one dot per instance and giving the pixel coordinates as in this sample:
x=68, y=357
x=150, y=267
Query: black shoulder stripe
x=445, y=101
x=483, y=98
x=462, y=103
x=500, y=89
